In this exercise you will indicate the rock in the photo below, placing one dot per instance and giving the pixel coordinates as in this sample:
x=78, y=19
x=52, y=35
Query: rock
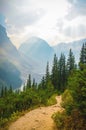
x=44, y=113
x=34, y=128
x=37, y=120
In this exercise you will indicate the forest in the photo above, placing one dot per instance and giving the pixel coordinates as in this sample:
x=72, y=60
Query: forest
x=66, y=78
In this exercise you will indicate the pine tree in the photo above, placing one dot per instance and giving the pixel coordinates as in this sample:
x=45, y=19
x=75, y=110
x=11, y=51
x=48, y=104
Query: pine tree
x=70, y=62
x=5, y=91
x=28, y=82
x=10, y=89
x=82, y=62
x=43, y=83
x=2, y=91
x=62, y=72
x=54, y=75
x=34, y=84
x=47, y=75
x=82, y=55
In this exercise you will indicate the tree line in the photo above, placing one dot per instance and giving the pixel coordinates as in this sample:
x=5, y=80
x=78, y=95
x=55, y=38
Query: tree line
x=74, y=99
x=65, y=76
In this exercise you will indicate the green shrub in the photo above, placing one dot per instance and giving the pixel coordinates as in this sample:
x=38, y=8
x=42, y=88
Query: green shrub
x=75, y=121
x=67, y=101
x=14, y=116
x=52, y=100
x=3, y=122
x=59, y=119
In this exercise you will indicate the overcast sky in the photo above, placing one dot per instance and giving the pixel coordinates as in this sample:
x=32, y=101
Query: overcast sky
x=53, y=20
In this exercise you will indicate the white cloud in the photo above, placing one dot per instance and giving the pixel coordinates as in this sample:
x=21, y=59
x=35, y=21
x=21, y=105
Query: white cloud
x=55, y=21
x=20, y=14
x=77, y=8
x=75, y=31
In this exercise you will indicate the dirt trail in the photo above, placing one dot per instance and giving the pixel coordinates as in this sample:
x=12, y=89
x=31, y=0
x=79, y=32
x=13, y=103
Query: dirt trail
x=38, y=119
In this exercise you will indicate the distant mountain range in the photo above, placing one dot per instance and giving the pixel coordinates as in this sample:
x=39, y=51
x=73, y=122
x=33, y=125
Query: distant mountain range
x=9, y=74
x=14, y=67
x=38, y=50
x=30, y=58
x=64, y=48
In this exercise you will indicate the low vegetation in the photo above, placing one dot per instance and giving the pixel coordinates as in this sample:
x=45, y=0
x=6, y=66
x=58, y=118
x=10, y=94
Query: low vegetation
x=14, y=104
x=74, y=99
x=66, y=79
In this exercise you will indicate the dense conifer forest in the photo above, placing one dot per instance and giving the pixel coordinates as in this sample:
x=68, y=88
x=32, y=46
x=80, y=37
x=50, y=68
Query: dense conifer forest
x=67, y=78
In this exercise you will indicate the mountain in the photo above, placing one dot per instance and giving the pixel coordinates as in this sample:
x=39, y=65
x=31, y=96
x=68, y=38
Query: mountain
x=14, y=67
x=38, y=50
x=31, y=58
x=64, y=48
x=9, y=74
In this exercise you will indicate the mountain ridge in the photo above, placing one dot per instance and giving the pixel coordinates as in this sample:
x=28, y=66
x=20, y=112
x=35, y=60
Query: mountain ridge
x=74, y=45
x=9, y=74
x=36, y=46
x=33, y=55
x=10, y=55
x=39, y=51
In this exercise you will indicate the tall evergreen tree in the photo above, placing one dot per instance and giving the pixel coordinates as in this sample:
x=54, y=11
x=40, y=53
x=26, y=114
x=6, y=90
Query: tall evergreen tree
x=10, y=89
x=34, y=84
x=70, y=62
x=82, y=62
x=29, y=82
x=83, y=54
x=2, y=91
x=47, y=75
x=43, y=83
x=5, y=91
x=54, y=75
x=62, y=72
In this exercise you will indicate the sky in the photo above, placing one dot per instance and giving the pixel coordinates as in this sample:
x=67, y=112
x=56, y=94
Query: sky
x=52, y=20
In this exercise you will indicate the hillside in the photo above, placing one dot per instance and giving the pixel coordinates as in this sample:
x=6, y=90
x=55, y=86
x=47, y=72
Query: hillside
x=31, y=58
x=13, y=64
x=9, y=73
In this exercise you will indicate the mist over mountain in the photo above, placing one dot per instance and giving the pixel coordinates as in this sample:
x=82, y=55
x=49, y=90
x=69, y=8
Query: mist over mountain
x=7, y=49
x=31, y=58
x=41, y=52
x=9, y=74
x=14, y=67
x=64, y=48
x=38, y=50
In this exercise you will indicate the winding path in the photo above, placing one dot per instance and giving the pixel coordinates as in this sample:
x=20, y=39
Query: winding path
x=38, y=119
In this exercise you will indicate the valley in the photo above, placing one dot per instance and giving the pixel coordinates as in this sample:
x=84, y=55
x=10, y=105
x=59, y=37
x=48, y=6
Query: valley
x=42, y=74
x=31, y=58
x=42, y=65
